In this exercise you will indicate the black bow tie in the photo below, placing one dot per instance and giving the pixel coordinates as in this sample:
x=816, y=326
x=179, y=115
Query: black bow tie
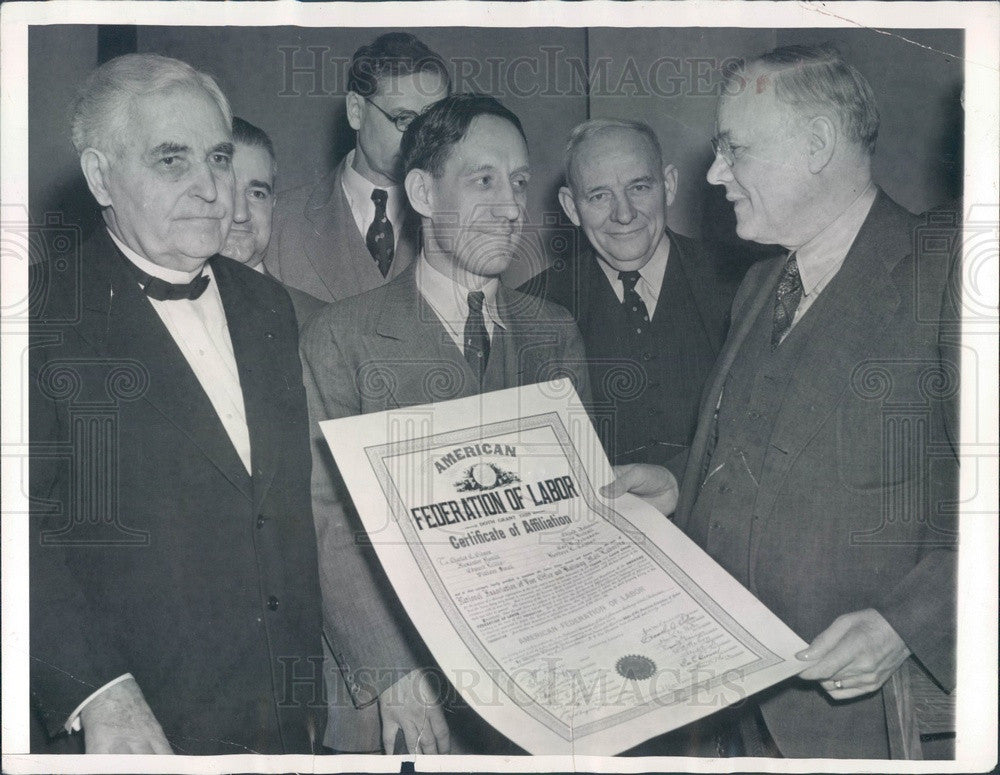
x=161, y=290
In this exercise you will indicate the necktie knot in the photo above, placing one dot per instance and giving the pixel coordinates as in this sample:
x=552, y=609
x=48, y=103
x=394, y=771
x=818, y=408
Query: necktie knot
x=629, y=279
x=161, y=290
x=380, y=197
x=476, y=299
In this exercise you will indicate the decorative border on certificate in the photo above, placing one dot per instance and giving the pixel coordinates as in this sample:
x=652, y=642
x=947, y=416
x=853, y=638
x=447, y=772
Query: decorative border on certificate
x=630, y=666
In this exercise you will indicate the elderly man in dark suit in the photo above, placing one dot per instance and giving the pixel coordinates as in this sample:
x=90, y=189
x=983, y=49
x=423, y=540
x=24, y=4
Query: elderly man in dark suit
x=444, y=329
x=174, y=588
x=651, y=304
x=823, y=474
x=353, y=231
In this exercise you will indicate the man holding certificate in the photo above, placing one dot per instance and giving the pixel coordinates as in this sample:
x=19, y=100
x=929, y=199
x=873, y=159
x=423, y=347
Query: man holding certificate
x=446, y=328
x=823, y=473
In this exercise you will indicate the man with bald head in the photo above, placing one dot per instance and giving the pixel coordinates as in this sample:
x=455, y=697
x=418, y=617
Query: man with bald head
x=823, y=473
x=174, y=588
x=651, y=304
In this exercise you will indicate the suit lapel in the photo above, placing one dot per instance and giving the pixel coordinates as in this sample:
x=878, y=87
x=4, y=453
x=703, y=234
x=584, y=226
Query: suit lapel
x=701, y=292
x=848, y=319
x=250, y=321
x=336, y=248
x=755, y=303
x=120, y=322
x=332, y=239
x=415, y=345
x=513, y=343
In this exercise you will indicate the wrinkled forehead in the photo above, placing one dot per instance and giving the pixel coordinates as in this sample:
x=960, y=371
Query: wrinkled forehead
x=253, y=163
x=179, y=113
x=615, y=147
x=489, y=141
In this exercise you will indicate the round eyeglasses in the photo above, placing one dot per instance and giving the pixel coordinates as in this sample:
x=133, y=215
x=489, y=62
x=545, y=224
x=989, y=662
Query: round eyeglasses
x=402, y=119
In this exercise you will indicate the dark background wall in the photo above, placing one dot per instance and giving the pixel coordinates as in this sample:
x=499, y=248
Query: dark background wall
x=291, y=81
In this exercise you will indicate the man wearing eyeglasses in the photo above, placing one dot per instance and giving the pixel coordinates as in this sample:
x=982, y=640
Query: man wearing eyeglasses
x=353, y=231
x=823, y=472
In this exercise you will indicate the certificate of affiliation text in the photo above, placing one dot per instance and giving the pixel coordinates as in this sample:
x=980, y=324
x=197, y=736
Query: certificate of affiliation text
x=572, y=623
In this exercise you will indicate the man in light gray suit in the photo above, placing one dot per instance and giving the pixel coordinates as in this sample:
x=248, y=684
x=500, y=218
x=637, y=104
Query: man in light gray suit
x=353, y=231
x=446, y=328
x=823, y=472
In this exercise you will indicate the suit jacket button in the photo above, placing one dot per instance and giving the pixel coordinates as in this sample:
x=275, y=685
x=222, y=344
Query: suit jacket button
x=268, y=335
x=272, y=603
x=260, y=522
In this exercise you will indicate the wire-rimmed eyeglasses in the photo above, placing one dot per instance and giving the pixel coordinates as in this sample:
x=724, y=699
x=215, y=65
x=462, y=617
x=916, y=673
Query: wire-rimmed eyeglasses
x=402, y=119
x=723, y=149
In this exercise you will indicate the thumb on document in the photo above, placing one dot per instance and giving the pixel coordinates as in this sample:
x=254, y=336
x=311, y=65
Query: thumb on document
x=654, y=484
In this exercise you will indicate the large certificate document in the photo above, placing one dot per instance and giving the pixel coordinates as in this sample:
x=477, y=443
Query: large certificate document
x=571, y=623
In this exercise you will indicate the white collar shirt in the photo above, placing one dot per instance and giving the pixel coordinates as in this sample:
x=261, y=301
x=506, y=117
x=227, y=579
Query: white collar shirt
x=358, y=191
x=201, y=331
x=820, y=258
x=650, y=276
x=449, y=301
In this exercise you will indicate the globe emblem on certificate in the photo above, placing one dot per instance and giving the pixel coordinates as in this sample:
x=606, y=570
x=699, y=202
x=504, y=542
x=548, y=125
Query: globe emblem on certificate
x=635, y=667
x=485, y=476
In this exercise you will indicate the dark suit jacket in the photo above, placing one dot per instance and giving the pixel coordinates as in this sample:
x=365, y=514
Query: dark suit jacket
x=153, y=550
x=647, y=388
x=382, y=350
x=316, y=246
x=856, y=502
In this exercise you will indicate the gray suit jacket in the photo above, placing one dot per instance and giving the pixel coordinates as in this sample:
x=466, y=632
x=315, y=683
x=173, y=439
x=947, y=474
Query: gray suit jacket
x=856, y=503
x=381, y=350
x=316, y=246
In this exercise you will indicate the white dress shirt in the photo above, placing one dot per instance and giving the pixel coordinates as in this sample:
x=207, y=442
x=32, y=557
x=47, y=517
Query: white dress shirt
x=650, y=277
x=199, y=328
x=450, y=301
x=358, y=190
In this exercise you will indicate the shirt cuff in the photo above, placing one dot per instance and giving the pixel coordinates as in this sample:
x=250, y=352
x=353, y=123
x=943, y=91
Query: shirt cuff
x=73, y=722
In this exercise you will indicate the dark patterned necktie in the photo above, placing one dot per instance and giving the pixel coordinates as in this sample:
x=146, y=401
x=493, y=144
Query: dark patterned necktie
x=161, y=290
x=477, y=339
x=635, y=308
x=786, y=300
x=380, y=238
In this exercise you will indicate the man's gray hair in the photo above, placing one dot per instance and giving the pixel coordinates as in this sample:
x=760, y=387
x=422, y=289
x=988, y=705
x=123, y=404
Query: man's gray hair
x=103, y=105
x=816, y=78
x=584, y=131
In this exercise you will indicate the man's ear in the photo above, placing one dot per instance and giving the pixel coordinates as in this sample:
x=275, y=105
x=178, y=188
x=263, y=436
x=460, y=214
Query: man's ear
x=569, y=205
x=823, y=138
x=419, y=191
x=670, y=176
x=96, y=168
x=355, y=109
